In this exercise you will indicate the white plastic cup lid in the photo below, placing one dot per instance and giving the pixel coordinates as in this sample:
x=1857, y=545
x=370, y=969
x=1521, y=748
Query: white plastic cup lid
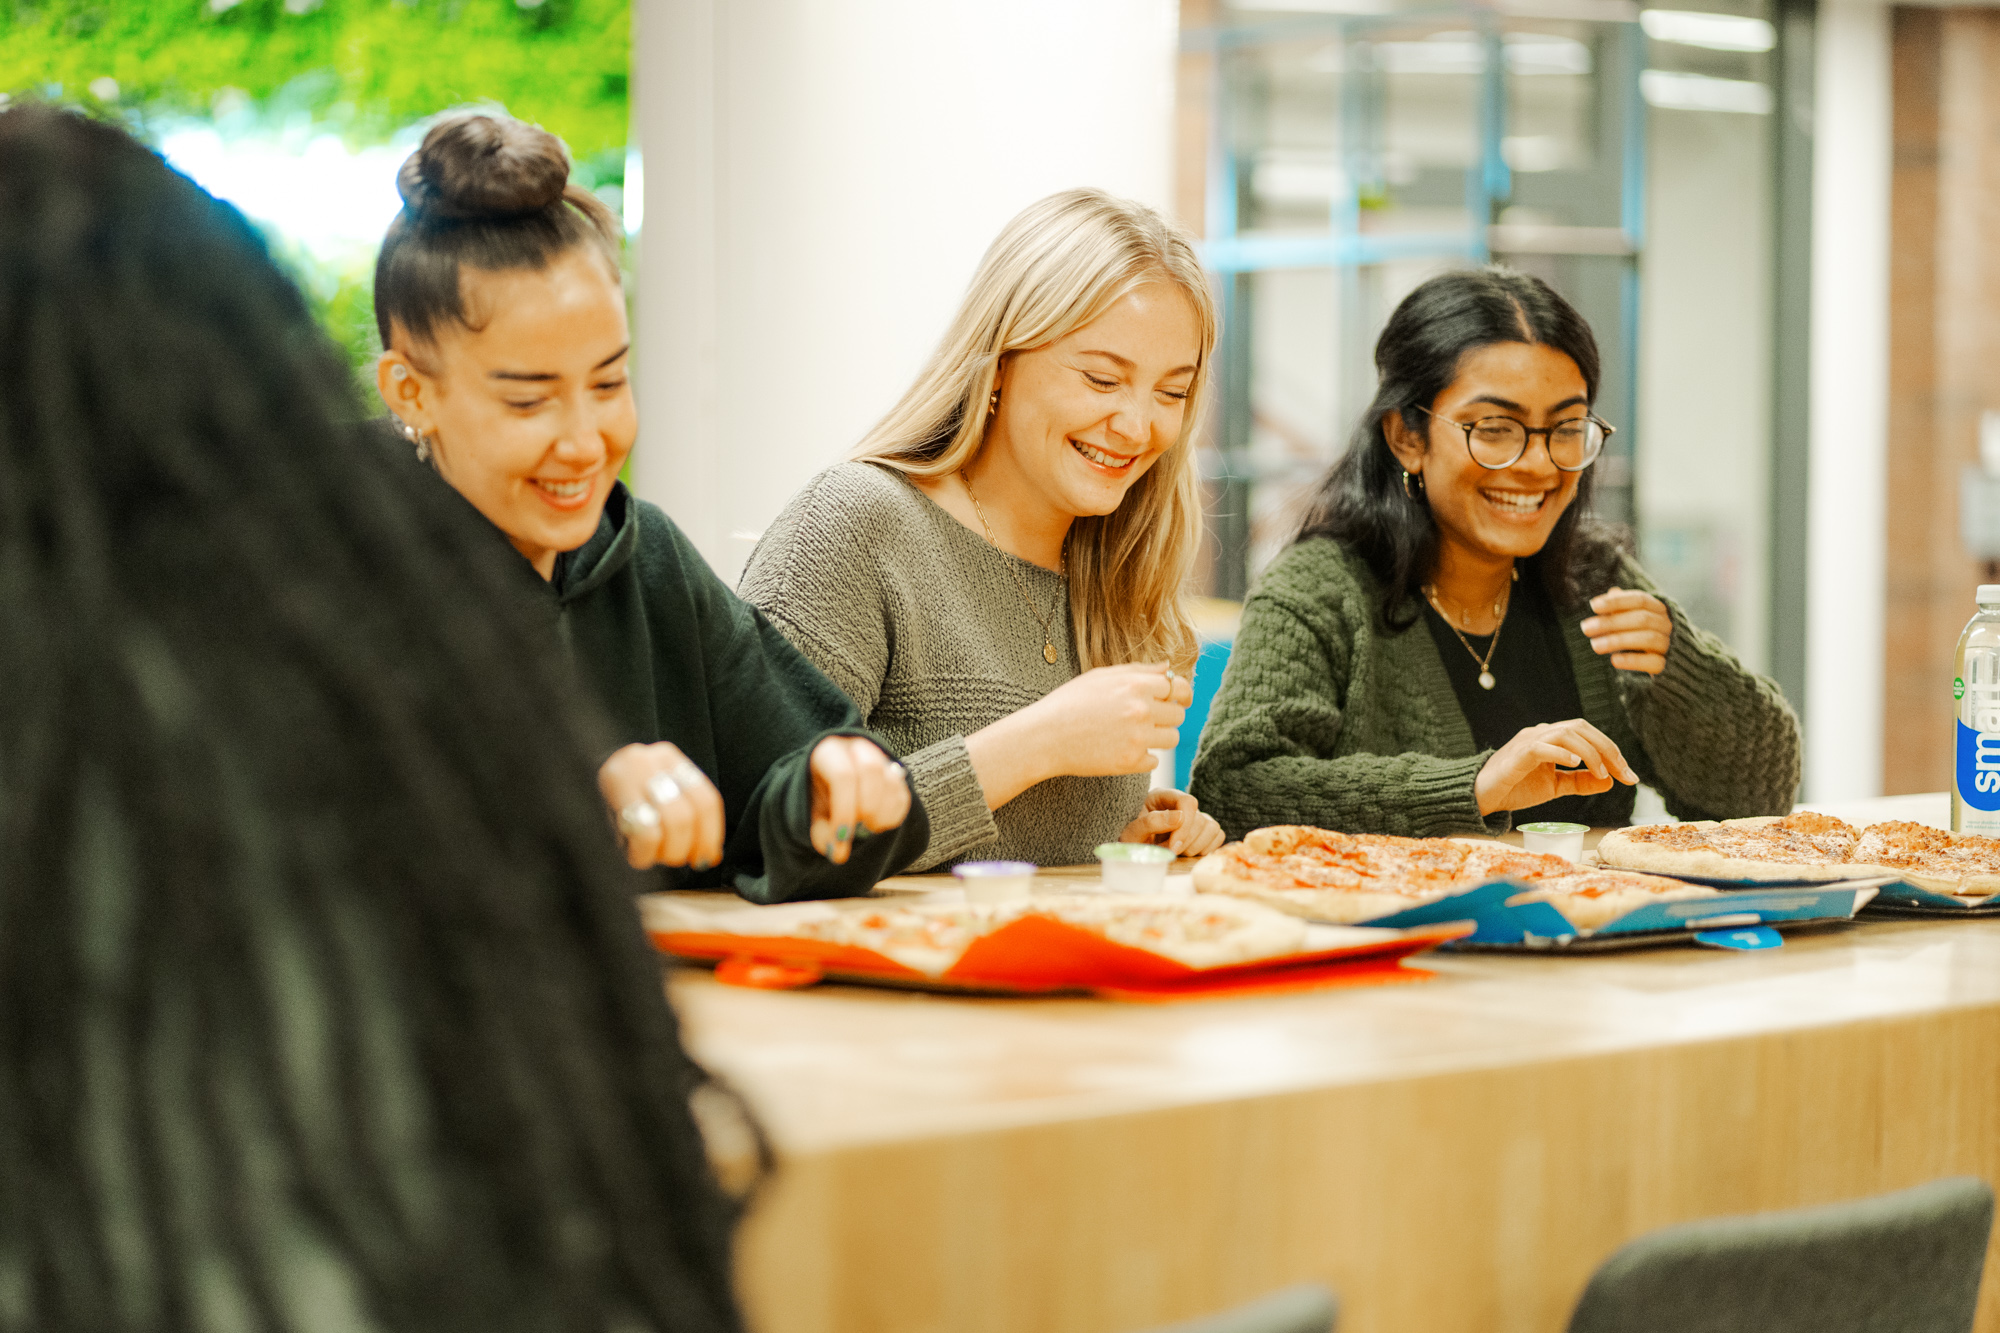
x=1554, y=828
x=989, y=869
x=1143, y=852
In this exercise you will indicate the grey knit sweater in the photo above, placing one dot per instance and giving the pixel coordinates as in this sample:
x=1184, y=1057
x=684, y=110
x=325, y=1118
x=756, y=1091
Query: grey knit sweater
x=1326, y=717
x=921, y=621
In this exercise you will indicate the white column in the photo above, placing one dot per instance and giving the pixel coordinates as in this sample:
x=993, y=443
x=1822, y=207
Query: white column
x=1849, y=402
x=820, y=180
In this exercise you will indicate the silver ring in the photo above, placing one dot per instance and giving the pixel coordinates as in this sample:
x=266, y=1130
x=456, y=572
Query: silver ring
x=636, y=817
x=687, y=775
x=662, y=790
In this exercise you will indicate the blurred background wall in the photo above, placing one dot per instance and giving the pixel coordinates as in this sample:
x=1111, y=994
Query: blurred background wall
x=1775, y=212
x=821, y=180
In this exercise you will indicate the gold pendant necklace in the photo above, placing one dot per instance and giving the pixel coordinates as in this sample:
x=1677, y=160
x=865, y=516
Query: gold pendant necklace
x=1501, y=605
x=1049, y=653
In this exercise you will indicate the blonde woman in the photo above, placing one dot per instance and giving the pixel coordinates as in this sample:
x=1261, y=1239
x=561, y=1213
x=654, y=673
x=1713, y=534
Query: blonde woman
x=996, y=576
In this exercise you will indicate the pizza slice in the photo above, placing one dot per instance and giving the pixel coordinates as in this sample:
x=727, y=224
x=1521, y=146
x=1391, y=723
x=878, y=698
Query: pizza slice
x=1804, y=846
x=1591, y=899
x=1330, y=876
x=1487, y=861
x=1966, y=864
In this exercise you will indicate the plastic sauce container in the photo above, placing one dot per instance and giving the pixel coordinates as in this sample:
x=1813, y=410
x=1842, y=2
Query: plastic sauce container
x=1564, y=840
x=995, y=881
x=1134, y=867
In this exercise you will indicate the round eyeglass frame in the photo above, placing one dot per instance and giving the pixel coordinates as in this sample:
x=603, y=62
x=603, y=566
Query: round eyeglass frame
x=1605, y=431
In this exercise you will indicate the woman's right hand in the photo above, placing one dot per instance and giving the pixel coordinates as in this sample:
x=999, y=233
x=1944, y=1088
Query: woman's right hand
x=667, y=811
x=1110, y=720
x=1543, y=762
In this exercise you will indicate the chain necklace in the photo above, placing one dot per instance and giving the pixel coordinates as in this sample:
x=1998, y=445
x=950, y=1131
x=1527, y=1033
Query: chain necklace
x=1500, y=608
x=1048, y=638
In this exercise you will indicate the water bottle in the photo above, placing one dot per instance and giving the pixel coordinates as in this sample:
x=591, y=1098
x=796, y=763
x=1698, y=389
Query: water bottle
x=1975, y=691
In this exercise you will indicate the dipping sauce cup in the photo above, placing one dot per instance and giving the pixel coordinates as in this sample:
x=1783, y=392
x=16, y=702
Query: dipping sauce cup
x=995, y=881
x=1134, y=867
x=1564, y=840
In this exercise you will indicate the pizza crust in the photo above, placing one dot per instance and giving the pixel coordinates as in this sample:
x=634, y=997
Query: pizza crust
x=1222, y=874
x=1632, y=849
x=1621, y=850
x=1618, y=892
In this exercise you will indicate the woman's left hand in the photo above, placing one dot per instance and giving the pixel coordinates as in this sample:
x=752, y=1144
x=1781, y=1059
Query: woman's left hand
x=855, y=787
x=1632, y=628
x=1174, y=819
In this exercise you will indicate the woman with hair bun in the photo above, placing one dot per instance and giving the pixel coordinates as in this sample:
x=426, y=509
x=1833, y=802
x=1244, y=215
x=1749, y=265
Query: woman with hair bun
x=1452, y=644
x=500, y=305
x=996, y=577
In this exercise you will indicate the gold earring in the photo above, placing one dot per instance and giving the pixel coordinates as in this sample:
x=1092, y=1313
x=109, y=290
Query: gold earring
x=993, y=403
x=1406, y=485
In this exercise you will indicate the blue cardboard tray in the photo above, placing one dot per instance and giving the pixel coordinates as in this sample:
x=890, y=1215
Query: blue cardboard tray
x=1539, y=928
x=1893, y=897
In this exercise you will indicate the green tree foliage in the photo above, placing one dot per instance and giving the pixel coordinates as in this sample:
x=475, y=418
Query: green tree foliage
x=363, y=68
x=369, y=66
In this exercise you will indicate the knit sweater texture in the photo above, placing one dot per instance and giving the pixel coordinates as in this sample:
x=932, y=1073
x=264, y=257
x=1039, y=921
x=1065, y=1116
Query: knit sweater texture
x=1327, y=717
x=922, y=622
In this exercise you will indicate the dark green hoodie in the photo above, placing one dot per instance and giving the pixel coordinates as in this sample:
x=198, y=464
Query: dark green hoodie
x=672, y=654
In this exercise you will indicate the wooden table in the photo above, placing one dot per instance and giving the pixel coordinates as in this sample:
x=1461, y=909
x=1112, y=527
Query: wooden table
x=1459, y=1154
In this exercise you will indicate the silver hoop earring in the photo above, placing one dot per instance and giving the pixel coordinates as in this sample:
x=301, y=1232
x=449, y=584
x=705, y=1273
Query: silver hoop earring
x=1406, y=485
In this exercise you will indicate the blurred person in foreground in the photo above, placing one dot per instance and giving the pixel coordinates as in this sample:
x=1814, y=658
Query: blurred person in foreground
x=323, y=1005
x=506, y=363
x=1452, y=643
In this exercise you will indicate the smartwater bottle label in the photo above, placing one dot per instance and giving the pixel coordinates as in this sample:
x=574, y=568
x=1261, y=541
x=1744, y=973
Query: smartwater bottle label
x=1979, y=768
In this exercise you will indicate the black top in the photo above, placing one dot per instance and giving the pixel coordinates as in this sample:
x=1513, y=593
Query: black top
x=674, y=655
x=1532, y=682
x=668, y=653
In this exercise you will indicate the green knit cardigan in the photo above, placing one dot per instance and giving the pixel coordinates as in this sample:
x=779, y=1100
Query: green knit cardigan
x=1326, y=717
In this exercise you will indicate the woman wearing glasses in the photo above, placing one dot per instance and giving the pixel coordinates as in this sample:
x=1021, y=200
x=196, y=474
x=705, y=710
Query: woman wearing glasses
x=1452, y=644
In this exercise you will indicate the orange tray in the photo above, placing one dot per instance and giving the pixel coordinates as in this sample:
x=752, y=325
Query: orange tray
x=1039, y=955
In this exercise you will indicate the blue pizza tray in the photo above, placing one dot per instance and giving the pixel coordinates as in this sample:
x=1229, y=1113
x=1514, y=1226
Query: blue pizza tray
x=1745, y=920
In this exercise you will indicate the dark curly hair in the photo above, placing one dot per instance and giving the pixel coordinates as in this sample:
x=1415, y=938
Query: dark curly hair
x=322, y=997
x=1361, y=502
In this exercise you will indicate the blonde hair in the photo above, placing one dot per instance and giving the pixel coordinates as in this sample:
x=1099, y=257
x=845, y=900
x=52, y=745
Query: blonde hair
x=1060, y=264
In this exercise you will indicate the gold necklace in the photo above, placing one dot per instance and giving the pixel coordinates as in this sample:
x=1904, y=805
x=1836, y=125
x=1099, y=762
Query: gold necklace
x=1500, y=608
x=1048, y=639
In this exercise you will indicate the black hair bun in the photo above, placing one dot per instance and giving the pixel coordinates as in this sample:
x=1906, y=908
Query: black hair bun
x=484, y=167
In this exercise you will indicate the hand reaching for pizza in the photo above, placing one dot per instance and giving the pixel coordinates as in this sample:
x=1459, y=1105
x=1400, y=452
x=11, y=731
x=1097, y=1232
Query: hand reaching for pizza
x=1554, y=759
x=1632, y=628
x=1173, y=819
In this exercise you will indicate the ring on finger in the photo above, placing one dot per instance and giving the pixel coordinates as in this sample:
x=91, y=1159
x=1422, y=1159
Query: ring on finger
x=685, y=774
x=636, y=818
x=662, y=790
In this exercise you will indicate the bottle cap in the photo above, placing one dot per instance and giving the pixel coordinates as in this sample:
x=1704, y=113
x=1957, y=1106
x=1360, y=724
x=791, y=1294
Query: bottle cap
x=1988, y=594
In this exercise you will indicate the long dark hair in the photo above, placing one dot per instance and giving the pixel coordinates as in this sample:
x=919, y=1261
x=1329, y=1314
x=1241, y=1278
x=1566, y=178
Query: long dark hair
x=485, y=191
x=321, y=990
x=1362, y=503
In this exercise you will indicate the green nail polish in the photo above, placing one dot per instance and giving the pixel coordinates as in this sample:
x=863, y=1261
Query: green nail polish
x=840, y=834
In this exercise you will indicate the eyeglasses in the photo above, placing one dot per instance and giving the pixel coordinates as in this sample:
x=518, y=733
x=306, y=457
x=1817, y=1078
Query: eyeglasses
x=1501, y=442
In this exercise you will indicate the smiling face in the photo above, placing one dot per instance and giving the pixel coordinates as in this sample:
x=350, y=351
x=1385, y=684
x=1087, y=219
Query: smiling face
x=1083, y=418
x=1507, y=513
x=531, y=415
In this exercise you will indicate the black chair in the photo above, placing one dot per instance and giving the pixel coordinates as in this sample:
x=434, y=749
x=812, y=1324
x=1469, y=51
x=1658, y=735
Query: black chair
x=1902, y=1263
x=1309, y=1308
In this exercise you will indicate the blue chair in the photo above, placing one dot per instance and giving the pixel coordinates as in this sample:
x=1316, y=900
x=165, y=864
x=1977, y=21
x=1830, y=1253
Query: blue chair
x=1309, y=1308
x=1907, y=1262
